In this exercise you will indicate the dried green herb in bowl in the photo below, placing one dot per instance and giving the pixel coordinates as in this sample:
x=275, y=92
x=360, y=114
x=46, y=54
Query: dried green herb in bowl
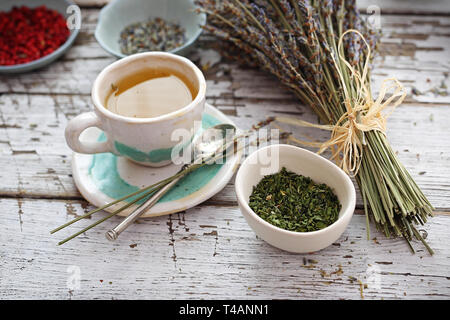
x=294, y=202
x=154, y=34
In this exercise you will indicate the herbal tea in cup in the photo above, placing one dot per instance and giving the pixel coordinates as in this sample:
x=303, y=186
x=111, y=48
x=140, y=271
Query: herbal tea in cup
x=139, y=101
x=150, y=93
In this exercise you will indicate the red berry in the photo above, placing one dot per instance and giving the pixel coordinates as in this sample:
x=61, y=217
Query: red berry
x=29, y=34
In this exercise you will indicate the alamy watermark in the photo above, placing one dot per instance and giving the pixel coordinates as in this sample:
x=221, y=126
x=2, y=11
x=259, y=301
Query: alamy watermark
x=74, y=278
x=373, y=277
x=374, y=17
x=208, y=148
x=74, y=17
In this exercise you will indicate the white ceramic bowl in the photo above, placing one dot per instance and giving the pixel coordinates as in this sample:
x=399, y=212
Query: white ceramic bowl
x=306, y=163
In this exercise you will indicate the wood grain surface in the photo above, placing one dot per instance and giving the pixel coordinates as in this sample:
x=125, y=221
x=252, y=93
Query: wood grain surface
x=209, y=252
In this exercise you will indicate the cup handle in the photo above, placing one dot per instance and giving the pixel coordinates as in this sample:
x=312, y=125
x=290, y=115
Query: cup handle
x=74, y=129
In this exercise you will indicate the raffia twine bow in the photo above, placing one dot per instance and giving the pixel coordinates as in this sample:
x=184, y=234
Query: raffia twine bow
x=363, y=114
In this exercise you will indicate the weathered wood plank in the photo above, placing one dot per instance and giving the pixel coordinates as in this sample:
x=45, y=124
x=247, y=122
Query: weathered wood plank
x=198, y=253
x=38, y=159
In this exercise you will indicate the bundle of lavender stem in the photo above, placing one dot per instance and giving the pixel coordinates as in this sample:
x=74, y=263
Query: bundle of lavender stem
x=323, y=51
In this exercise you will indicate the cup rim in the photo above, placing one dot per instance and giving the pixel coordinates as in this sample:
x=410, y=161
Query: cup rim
x=98, y=105
x=347, y=211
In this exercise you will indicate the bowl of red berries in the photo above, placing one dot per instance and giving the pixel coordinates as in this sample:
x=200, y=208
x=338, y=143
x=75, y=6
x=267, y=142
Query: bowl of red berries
x=35, y=33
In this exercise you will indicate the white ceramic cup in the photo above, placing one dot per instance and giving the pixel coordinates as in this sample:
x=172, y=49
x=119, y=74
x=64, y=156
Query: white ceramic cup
x=147, y=141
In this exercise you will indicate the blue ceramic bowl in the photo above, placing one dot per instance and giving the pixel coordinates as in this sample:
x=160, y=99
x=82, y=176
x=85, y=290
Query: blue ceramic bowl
x=58, y=5
x=120, y=13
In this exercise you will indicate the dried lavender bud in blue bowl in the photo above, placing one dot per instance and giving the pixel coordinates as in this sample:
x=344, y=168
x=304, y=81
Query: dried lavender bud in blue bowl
x=131, y=26
x=154, y=34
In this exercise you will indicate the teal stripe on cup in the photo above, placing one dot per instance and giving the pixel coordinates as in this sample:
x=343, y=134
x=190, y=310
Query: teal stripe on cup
x=104, y=174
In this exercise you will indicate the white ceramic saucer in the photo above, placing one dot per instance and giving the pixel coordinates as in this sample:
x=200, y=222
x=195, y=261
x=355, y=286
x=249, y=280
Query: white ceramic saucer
x=102, y=178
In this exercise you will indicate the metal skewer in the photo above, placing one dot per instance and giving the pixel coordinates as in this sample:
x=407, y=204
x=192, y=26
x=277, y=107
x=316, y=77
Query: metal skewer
x=204, y=150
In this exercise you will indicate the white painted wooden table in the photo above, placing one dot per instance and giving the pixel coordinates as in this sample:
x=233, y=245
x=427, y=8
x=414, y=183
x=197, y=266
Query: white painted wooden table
x=209, y=252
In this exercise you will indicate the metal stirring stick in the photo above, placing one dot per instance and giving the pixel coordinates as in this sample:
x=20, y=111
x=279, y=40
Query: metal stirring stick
x=204, y=147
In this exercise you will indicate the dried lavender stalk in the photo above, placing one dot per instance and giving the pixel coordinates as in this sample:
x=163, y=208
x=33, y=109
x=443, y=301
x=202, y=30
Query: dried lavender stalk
x=297, y=41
